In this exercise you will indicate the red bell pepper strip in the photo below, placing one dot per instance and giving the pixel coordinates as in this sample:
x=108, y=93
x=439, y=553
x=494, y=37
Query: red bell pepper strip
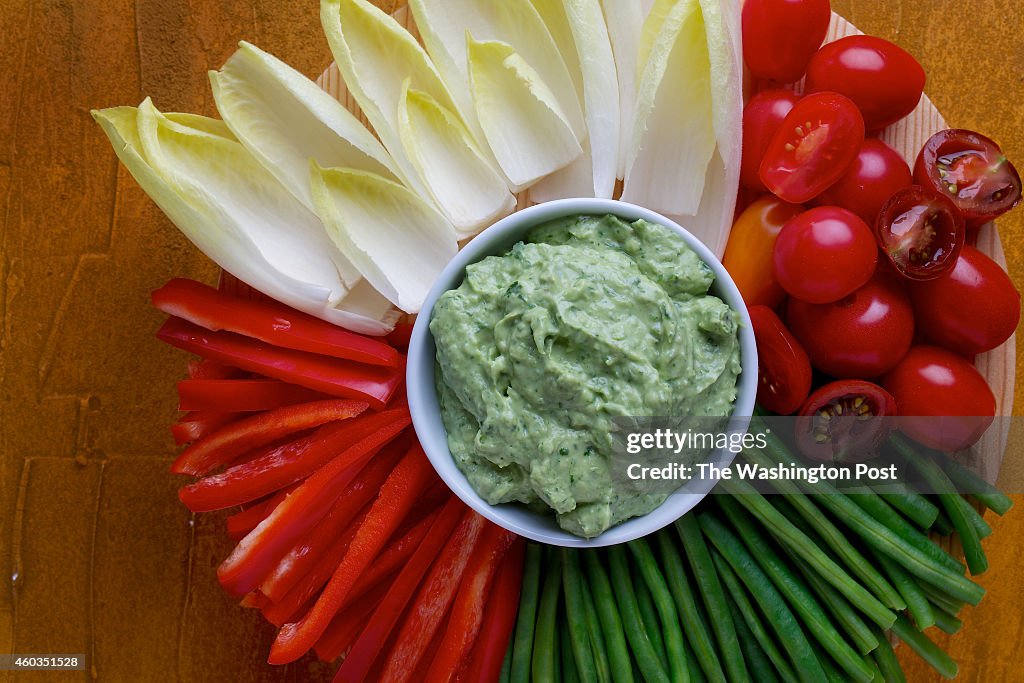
x=242, y=395
x=241, y=523
x=394, y=556
x=333, y=376
x=198, y=423
x=397, y=498
x=270, y=322
x=399, y=337
x=467, y=612
x=230, y=284
x=204, y=368
x=336, y=528
x=256, y=555
x=347, y=625
x=254, y=600
x=236, y=438
x=488, y=651
x=284, y=464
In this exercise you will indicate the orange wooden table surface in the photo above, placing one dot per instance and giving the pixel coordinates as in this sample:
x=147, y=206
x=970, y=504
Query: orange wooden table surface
x=96, y=554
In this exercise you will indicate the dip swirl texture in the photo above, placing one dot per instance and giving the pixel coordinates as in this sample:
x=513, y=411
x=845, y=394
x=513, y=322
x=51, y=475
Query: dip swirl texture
x=539, y=349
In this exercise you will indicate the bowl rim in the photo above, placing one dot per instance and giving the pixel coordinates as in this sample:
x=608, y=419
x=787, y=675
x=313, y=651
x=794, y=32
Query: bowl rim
x=423, y=403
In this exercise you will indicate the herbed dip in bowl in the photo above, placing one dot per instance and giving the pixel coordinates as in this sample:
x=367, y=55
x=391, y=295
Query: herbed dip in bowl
x=544, y=333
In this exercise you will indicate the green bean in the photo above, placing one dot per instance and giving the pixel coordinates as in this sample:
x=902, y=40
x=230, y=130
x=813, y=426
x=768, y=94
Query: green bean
x=657, y=586
x=794, y=590
x=884, y=514
x=828, y=665
x=942, y=599
x=646, y=655
x=693, y=670
x=575, y=615
x=736, y=592
x=917, y=602
x=608, y=615
x=545, y=638
x=506, y=665
x=766, y=595
x=979, y=489
x=604, y=672
x=758, y=663
x=942, y=526
x=526, y=621
x=649, y=617
x=977, y=520
x=887, y=662
x=859, y=568
x=694, y=621
x=890, y=542
x=946, y=622
x=925, y=648
x=912, y=504
x=951, y=501
x=710, y=588
x=570, y=673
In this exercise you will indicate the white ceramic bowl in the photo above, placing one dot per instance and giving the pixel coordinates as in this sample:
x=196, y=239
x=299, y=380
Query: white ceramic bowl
x=423, y=402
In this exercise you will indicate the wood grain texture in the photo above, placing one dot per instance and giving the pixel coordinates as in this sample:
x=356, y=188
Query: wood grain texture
x=101, y=557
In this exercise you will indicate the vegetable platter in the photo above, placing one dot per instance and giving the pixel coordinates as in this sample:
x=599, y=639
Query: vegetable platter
x=329, y=236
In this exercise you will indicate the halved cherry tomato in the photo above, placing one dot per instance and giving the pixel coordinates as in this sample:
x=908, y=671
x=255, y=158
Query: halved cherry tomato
x=972, y=309
x=779, y=36
x=784, y=373
x=881, y=78
x=748, y=255
x=762, y=116
x=944, y=401
x=845, y=421
x=874, y=176
x=970, y=169
x=920, y=232
x=824, y=254
x=861, y=336
x=813, y=147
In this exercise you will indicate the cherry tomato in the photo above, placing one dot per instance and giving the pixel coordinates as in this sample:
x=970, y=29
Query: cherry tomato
x=845, y=421
x=874, y=176
x=861, y=336
x=748, y=254
x=883, y=79
x=783, y=371
x=824, y=254
x=920, y=232
x=972, y=309
x=944, y=401
x=762, y=116
x=970, y=169
x=780, y=36
x=813, y=147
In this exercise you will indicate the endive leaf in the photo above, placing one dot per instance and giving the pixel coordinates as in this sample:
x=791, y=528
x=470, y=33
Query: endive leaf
x=397, y=240
x=284, y=120
x=579, y=30
x=625, y=20
x=464, y=184
x=241, y=249
x=673, y=134
x=721, y=24
x=445, y=23
x=520, y=116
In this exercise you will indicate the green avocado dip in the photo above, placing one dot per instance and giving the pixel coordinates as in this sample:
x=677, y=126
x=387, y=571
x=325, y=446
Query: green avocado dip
x=540, y=349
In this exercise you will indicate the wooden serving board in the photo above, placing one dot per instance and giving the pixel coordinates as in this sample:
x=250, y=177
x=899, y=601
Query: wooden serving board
x=907, y=137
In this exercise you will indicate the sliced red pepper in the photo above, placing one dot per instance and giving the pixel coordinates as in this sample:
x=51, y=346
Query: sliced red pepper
x=236, y=438
x=333, y=376
x=488, y=652
x=204, y=368
x=346, y=626
x=282, y=465
x=399, y=337
x=242, y=395
x=333, y=529
x=454, y=517
x=467, y=611
x=198, y=423
x=241, y=523
x=270, y=322
x=230, y=284
x=425, y=616
x=397, y=497
x=257, y=554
